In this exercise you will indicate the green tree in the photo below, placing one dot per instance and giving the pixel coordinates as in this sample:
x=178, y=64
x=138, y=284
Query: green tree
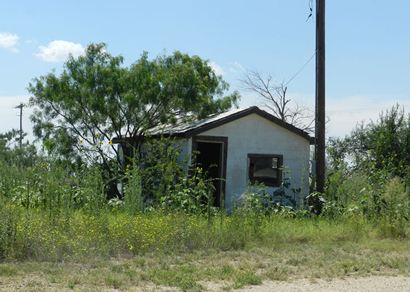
x=383, y=145
x=12, y=154
x=96, y=98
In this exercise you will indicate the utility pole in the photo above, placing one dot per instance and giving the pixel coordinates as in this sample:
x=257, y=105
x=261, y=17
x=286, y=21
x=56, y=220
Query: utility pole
x=20, y=106
x=320, y=96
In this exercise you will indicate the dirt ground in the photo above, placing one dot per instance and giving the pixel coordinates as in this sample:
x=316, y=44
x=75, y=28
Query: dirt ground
x=365, y=284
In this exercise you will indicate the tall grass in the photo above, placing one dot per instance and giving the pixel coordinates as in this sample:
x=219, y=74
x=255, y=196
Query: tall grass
x=376, y=197
x=32, y=234
x=49, y=211
x=133, y=201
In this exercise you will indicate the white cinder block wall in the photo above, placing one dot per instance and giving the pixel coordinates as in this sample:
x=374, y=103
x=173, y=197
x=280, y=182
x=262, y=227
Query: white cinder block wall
x=257, y=135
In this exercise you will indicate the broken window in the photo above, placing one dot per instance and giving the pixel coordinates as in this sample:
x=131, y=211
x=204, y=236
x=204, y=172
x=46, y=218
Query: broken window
x=266, y=169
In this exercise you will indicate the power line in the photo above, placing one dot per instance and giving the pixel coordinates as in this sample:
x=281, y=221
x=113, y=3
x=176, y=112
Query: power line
x=300, y=69
x=311, y=57
x=310, y=9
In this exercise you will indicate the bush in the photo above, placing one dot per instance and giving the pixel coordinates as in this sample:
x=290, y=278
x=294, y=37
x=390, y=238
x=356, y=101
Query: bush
x=160, y=169
x=192, y=194
x=395, y=209
x=375, y=196
x=133, y=201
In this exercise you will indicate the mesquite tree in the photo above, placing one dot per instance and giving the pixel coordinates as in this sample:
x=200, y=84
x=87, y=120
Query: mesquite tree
x=96, y=98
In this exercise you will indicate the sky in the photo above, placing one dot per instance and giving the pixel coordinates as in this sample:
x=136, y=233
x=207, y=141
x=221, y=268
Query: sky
x=367, y=47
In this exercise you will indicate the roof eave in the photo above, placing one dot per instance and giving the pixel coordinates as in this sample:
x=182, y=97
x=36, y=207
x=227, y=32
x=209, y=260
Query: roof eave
x=248, y=111
x=208, y=126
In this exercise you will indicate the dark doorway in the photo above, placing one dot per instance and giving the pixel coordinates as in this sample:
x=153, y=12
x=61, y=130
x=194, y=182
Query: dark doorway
x=210, y=156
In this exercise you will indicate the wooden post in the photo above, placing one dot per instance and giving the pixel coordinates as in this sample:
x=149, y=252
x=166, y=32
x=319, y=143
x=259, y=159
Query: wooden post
x=320, y=96
x=20, y=106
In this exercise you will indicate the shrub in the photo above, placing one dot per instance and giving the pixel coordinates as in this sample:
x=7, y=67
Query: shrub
x=191, y=194
x=395, y=208
x=133, y=200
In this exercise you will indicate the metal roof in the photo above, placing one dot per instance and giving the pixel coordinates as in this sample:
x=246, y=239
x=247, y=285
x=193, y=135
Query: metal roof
x=182, y=127
x=188, y=129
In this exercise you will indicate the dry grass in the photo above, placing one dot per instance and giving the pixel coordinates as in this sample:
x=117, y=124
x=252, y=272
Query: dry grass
x=202, y=270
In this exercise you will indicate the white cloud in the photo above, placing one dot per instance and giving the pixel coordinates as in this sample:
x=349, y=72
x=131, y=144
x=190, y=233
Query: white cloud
x=346, y=113
x=237, y=68
x=9, y=41
x=217, y=69
x=58, y=51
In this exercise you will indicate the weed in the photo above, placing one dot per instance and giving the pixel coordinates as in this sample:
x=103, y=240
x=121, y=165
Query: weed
x=114, y=280
x=72, y=282
x=246, y=278
x=184, y=277
x=276, y=273
x=7, y=271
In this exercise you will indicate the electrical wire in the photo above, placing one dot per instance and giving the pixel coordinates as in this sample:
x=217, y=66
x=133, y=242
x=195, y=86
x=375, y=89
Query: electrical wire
x=300, y=69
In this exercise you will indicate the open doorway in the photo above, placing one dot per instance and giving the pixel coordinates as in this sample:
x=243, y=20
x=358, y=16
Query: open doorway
x=211, y=156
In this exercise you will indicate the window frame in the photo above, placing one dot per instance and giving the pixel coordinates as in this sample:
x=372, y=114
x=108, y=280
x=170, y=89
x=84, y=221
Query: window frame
x=267, y=182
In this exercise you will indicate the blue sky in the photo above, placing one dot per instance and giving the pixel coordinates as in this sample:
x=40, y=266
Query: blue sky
x=368, y=46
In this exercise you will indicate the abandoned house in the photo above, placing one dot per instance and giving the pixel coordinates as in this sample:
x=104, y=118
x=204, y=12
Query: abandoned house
x=245, y=146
